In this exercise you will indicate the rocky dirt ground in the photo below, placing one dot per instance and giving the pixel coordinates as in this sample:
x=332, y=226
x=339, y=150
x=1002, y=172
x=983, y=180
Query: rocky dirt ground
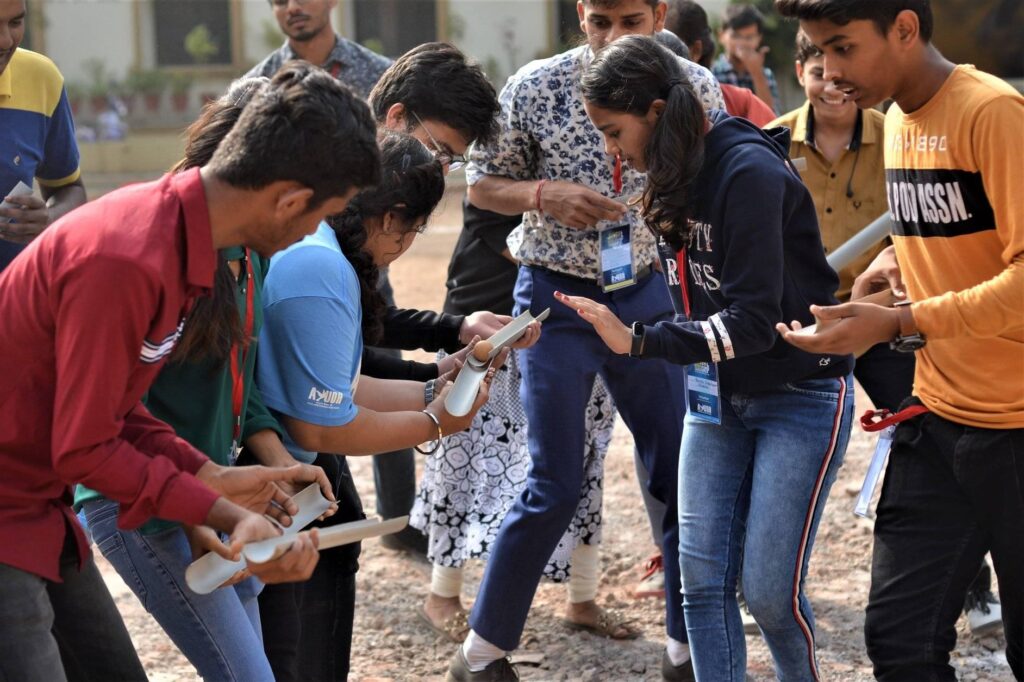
x=391, y=643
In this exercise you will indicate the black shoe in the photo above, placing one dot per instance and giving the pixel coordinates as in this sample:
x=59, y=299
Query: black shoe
x=500, y=670
x=984, y=613
x=409, y=540
x=677, y=673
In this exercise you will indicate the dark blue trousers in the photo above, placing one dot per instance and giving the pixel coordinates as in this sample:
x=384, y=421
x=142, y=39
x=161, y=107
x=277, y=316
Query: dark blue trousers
x=558, y=375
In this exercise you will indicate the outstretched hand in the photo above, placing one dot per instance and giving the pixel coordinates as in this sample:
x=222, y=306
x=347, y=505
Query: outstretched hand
x=842, y=329
x=617, y=336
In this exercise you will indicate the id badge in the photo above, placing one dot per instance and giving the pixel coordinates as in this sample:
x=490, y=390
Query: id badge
x=234, y=452
x=703, y=400
x=617, y=271
x=873, y=476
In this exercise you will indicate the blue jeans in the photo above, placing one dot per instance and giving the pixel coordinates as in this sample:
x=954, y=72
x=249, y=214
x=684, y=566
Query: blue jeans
x=219, y=632
x=752, y=490
x=558, y=377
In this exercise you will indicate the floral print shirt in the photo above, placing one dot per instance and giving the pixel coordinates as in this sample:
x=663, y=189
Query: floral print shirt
x=351, y=63
x=546, y=134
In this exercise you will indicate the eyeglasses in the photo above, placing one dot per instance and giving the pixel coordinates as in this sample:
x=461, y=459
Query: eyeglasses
x=441, y=154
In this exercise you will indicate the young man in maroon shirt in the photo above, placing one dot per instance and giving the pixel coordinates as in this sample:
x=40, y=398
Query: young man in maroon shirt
x=89, y=311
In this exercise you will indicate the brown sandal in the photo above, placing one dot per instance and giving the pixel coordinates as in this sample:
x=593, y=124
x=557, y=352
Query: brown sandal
x=455, y=628
x=609, y=624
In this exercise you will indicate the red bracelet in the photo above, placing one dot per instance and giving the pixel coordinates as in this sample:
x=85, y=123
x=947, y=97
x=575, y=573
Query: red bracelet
x=540, y=186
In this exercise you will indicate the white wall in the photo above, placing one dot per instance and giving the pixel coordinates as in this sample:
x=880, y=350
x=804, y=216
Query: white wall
x=79, y=30
x=503, y=35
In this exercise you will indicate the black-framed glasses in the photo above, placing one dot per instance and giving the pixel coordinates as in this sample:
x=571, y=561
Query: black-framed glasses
x=443, y=156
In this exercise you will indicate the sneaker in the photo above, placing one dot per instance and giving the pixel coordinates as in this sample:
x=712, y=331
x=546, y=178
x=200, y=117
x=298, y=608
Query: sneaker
x=677, y=673
x=500, y=670
x=984, y=614
x=652, y=584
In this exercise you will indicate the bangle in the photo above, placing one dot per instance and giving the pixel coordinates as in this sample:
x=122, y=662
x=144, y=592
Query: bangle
x=540, y=186
x=440, y=435
x=428, y=392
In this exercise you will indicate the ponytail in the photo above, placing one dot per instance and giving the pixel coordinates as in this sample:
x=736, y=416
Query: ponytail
x=629, y=76
x=411, y=186
x=675, y=155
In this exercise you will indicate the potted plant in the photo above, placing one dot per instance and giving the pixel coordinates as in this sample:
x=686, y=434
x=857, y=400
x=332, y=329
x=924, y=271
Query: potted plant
x=180, y=85
x=149, y=84
x=99, y=83
x=76, y=92
x=200, y=45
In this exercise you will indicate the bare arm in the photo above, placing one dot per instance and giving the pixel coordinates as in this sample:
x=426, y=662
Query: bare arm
x=63, y=200
x=373, y=432
x=570, y=204
x=32, y=215
x=504, y=195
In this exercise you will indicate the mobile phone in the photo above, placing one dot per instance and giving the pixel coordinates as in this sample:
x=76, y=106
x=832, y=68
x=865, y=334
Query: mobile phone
x=20, y=189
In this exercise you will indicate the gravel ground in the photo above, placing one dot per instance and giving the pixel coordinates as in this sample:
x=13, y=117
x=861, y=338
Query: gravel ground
x=391, y=643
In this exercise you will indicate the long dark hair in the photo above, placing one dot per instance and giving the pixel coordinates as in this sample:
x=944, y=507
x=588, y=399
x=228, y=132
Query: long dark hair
x=411, y=186
x=213, y=326
x=628, y=76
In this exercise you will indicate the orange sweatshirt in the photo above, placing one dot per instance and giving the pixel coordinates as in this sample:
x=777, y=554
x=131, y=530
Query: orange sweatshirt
x=955, y=184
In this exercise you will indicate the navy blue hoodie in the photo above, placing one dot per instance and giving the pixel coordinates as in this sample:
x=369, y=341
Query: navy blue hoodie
x=754, y=258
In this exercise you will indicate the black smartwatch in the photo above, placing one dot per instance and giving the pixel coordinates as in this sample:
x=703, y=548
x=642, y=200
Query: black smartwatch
x=636, y=349
x=907, y=340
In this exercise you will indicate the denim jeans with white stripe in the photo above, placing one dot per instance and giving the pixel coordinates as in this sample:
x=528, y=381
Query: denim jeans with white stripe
x=752, y=490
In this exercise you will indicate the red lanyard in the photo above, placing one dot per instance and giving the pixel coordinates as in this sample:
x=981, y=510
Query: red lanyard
x=684, y=286
x=878, y=420
x=238, y=368
x=617, y=175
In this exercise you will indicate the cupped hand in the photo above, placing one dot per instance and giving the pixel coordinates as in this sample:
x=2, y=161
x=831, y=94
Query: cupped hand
x=617, y=336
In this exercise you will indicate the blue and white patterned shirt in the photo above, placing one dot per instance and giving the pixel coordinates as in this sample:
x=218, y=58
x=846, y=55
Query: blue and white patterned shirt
x=351, y=63
x=546, y=134
x=726, y=73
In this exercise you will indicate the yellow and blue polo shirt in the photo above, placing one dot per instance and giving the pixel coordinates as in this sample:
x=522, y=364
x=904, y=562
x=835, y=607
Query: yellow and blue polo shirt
x=37, y=134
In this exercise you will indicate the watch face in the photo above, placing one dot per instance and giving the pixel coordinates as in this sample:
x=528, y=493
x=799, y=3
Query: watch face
x=909, y=344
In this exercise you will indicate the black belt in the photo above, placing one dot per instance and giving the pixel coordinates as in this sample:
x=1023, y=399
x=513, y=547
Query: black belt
x=641, y=274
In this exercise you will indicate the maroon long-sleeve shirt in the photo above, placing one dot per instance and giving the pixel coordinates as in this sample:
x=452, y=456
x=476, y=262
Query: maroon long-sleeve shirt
x=88, y=313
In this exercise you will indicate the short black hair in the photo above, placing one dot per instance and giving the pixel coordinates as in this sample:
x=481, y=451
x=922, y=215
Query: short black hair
x=805, y=49
x=613, y=3
x=841, y=12
x=737, y=17
x=436, y=81
x=689, y=21
x=306, y=127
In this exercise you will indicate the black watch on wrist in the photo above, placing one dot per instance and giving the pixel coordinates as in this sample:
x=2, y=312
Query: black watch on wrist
x=908, y=342
x=636, y=349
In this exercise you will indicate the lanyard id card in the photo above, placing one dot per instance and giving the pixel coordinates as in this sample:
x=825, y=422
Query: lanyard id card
x=617, y=271
x=703, y=400
x=873, y=476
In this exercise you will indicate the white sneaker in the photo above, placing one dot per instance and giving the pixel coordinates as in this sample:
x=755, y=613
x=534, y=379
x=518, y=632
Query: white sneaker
x=984, y=614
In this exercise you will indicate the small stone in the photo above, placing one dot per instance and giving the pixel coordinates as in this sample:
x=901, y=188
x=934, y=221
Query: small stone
x=405, y=641
x=638, y=666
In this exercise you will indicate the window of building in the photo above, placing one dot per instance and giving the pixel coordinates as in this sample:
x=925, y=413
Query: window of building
x=393, y=27
x=205, y=27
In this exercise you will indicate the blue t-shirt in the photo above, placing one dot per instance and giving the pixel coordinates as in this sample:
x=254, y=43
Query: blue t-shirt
x=37, y=135
x=311, y=344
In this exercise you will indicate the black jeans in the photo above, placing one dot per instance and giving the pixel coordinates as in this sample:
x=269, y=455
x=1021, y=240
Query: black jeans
x=307, y=627
x=69, y=630
x=886, y=375
x=394, y=473
x=951, y=494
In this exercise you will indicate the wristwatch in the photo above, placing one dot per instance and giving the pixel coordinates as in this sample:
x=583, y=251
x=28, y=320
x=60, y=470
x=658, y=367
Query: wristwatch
x=909, y=339
x=636, y=349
